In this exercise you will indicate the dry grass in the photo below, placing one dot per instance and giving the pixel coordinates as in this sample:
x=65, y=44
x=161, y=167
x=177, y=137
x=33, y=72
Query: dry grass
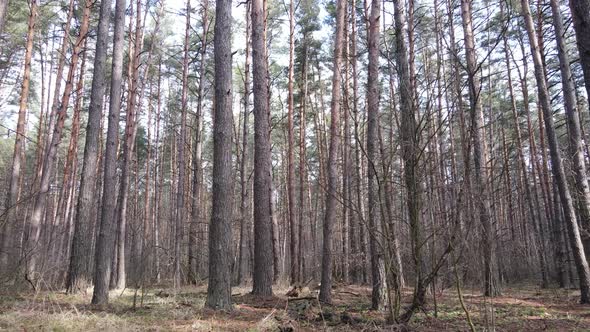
x=524, y=308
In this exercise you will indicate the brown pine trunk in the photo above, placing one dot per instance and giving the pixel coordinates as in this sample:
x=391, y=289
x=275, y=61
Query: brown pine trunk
x=179, y=213
x=410, y=156
x=332, y=187
x=107, y=225
x=522, y=167
x=263, y=248
x=61, y=62
x=576, y=145
x=302, y=263
x=219, y=287
x=69, y=174
x=294, y=242
x=479, y=158
x=581, y=18
x=133, y=109
x=12, y=196
x=376, y=243
x=359, y=270
x=158, y=179
x=80, y=260
x=197, y=151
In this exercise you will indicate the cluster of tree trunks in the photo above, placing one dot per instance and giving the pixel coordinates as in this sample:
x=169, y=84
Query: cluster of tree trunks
x=390, y=188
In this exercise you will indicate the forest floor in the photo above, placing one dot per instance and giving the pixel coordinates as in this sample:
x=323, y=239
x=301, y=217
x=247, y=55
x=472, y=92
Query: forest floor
x=524, y=308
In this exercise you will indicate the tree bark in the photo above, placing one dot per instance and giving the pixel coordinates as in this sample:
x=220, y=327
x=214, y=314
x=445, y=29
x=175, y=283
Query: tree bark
x=219, y=287
x=294, y=243
x=581, y=18
x=376, y=243
x=576, y=144
x=479, y=158
x=178, y=233
x=129, y=144
x=197, y=152
x=263, y=250
x=80, y=259
x=410, y=148
x=12, y=196
x=106, y=240
x=334, y=149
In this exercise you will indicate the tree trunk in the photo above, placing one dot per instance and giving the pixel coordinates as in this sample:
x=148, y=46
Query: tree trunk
x=359, y=268
x=410, y=148
x=375, y=226
x=302, y=263
x=332, y=188
x=576, y=145
x=294, y=243
x=129, y=144
x=106, y=240
x=12, y=196
x=80, y=259
x=219, y=287
x=581, y=19
x=197, y=151
x=479, y=158
x=263, y=268
x=178, y=234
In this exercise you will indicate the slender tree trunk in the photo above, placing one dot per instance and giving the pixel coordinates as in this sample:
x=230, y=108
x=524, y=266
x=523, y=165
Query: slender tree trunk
x=359, y=270
x=197, y=151
x=106, y=239
x=80, y=260
x=158, y=179
x=70, y=168
x=61, y=62
x=244, y=183
x=263, y=250
x=581, y=18
x=303, y=185
x=576, y=145
x=410, y=148
x=129, y=144
x=376, y=243
x=481, y=175
x=178, y=234
x=219, y=287
x=12, y=196
x=294, y=243
x=332, y=188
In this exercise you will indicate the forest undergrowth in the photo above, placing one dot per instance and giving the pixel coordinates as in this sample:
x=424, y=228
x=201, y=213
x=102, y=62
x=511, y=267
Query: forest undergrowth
x=520, y=308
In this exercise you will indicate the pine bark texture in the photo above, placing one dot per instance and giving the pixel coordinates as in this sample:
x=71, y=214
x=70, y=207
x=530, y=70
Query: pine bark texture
x=333, y=155
x=219, y=287
x=375, y=226
x=106, y=238
x=263, y=239
x=79, y=274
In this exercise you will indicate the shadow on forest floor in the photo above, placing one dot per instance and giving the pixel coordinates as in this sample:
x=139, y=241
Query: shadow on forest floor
x=524, y=308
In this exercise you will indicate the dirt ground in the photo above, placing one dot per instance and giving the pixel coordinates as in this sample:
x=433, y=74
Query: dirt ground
x=524, y=308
